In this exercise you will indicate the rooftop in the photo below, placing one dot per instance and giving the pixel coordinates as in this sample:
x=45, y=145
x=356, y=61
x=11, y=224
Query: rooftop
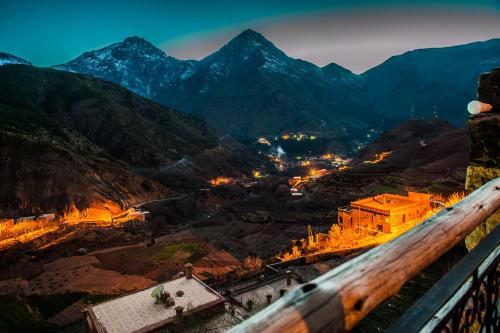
x=137, y=312
x=257, y=293
x=385, y=201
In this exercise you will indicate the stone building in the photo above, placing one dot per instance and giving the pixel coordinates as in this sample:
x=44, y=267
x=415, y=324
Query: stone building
x=384, y=211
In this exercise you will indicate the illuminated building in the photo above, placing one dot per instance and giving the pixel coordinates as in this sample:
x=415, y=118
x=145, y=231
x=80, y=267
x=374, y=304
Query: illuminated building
x=381, y=212
x=221, y=181
x=369, y=222
x=315, y=173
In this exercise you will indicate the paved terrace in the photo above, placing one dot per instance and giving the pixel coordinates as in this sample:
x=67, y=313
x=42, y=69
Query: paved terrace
x=137, y=312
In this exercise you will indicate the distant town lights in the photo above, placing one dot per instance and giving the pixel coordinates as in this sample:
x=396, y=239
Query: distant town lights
x=476, y=107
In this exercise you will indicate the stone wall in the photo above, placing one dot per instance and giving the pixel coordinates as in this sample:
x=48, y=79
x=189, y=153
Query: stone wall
x=484, y=136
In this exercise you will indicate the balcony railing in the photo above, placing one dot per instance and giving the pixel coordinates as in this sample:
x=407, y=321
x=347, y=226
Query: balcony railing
x=465, y=300
x=339, y=299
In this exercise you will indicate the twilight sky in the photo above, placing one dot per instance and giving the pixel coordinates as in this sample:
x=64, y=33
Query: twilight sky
x=356, y=34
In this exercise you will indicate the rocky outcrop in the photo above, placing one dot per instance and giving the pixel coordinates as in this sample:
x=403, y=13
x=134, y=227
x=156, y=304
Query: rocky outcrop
x=484, y=129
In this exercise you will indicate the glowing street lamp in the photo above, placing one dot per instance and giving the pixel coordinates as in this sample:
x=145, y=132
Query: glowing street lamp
x=476, y=107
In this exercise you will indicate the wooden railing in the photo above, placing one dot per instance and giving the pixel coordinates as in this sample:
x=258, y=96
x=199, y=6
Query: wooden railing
x=339, y=299
x=465, y=300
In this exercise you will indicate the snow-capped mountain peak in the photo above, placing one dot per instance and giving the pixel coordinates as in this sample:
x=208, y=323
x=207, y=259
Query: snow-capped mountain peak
x=136, y=40
x=247, y=44
x=133, y=63
x=249, y=49
x=10, y=59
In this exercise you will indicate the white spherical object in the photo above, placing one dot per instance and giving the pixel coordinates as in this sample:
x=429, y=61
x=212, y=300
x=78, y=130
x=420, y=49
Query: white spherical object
x=474, y=107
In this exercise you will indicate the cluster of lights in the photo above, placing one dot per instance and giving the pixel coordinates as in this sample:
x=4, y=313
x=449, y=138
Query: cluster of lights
x=263, y=141
x=327, y=156
x=221, y=181
x=379, y=157
x=298, y=137
x=256, y=174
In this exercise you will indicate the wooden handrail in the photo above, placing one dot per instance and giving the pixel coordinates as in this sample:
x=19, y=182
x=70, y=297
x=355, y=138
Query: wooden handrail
x=339, y=299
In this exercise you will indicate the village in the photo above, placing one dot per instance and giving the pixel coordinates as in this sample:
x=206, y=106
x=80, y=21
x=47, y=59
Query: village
x=202, y=286
x=250, y=167
x=208, y=259
x=24, y=229
x=191, y=302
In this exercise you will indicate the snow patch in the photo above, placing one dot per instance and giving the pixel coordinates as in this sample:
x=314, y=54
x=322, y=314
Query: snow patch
x=187, y=73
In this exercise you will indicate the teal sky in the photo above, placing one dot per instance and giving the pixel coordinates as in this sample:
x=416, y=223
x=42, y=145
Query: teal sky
x=48, y=32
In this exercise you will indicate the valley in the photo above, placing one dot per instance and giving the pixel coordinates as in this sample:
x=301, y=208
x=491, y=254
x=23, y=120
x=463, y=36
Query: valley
x=126, y=168
x=222, y=219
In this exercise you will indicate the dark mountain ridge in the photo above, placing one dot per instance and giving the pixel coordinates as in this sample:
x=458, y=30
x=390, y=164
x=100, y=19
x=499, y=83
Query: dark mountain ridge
x=72, y=142
x=429, y=82
x=126, y=126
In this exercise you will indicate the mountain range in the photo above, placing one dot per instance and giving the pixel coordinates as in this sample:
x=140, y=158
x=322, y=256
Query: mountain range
x=249, y=87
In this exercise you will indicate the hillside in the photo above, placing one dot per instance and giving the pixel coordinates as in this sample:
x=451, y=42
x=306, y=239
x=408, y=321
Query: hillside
x=41, y=175
x=71, y=142
x=425, y=155
x=124, y=125
x=409, y=143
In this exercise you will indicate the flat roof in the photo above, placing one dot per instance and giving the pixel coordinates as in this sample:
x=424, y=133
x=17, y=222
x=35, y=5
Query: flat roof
x=259, y=292
x=385, y=202
x=137, y=312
